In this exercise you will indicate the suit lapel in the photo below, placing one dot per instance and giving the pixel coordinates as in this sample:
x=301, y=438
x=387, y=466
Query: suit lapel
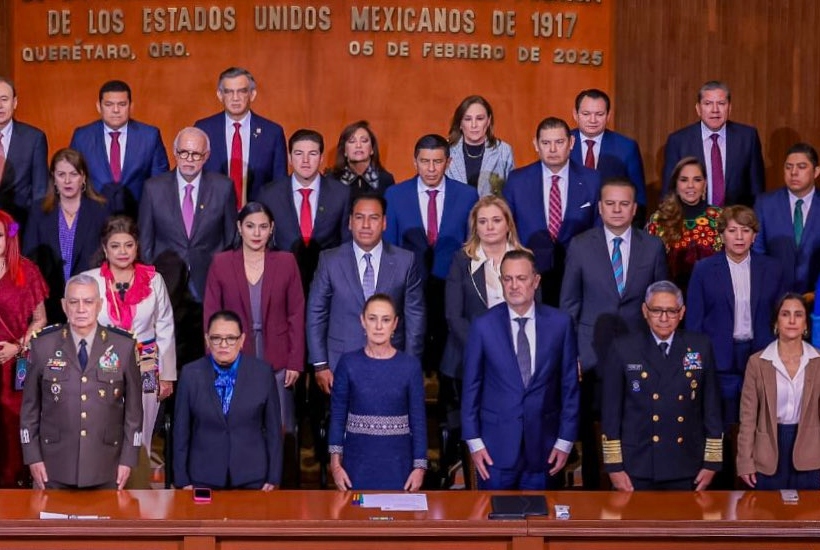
x=637, y=250
x=172, y=197
x=784, y=213
x=98, y=145
x=240, y=388
x=132, y=145
x=505, y=328
x=446, y=218
x=489, y=159
x=242, y=282
x=351, y=271
x=723, y=279
x=573, y=206
x=325, y=198
x=808, y=382
x=479, y=280
x=756, y=282
x=203, y=202
x=541, y=337
x=770, y=390
x=811, y=225
x=387, y=269
x=97, y=349
x=80, y=232
x=255, y=131
x=457, y=165
x=601, y=250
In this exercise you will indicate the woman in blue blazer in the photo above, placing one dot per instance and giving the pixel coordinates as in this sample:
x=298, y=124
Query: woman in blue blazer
x=64, y=231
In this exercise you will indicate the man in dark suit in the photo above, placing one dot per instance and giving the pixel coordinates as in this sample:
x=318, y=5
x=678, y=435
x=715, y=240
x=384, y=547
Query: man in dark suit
x=790, y=221
x=23, y=159
x=188, y=213
x=730, y=151
x=310, y=211
x=612, y=154
x=429, y=216
x=246, y=147
x=660, y=416
x=227, y=425
x=608, y=270
x=81, y=416
x=519, y=410
x=121, y=153
x=347, y=276
x=552, y=200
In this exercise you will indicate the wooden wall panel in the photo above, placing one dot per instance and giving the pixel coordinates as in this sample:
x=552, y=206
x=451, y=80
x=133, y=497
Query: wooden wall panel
x=768, y=52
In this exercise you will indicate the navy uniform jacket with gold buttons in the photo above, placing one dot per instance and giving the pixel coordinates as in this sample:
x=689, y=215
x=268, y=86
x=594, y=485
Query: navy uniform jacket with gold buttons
x=82, y=424
x=661, y=416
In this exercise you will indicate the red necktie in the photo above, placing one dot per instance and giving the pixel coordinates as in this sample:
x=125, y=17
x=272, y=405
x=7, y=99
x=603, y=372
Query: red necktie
x=555, y=208
x=718, y=183
x=236, y=165
x=432, y=218
x=305, y=221
x=115, y=160
x=589, y=160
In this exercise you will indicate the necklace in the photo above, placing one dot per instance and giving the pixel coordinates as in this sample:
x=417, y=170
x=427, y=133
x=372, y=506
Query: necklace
x=123, y=287
x=384, y=355
x=474, y=147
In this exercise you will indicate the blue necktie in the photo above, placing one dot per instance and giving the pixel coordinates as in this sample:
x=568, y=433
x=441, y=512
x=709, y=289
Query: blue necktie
x=369, y=278
x=618, y=264
x=82, y=355
x=522, y=354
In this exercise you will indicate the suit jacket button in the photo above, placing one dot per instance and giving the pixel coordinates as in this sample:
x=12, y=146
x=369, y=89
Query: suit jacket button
x=680, y=440
x=680, y=419
x=82, y=433
x=83, y=397
x=655, y=396
x=84, y=379
x=83, y=414
x=680, y=398
x=655, y=438
x=655, y=417
x=689, y=374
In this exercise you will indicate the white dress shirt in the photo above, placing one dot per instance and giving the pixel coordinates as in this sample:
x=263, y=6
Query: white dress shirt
x=668, y=341
x=424, y=201
x=706, y=134
x=122, y=139
x=6, y=133
x=596, y=147
x=313, y=198
x=804, y=207
x=742, y=288
x=626, y=245
x=563, y=183
x=375, y=261
x=789, y=390
x=245, y=134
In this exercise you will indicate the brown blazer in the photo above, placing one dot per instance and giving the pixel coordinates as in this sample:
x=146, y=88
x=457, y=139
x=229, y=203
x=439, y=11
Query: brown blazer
x=283, y=304
x=757, y=438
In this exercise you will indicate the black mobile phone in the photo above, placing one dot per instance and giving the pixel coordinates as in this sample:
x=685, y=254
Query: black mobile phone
x=202, y=494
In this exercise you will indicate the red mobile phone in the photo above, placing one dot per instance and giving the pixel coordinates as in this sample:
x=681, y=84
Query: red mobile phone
x=202, y=495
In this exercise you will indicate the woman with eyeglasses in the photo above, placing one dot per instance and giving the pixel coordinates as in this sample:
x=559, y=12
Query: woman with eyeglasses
x=227, y=427
x=134, y=298
x=63, y=233
x=264, y=288
x=778, y=445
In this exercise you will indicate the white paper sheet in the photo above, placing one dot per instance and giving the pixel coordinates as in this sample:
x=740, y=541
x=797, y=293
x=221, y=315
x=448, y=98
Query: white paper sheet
x=398, y=502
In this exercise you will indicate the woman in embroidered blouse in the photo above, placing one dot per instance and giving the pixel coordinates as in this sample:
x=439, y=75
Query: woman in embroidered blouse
x=64, y=232
x=357, y=162
x=685, y=222
x=22, y=291
x=134, y=298
x=477, y=157
x=378, y=429
x=778, y=445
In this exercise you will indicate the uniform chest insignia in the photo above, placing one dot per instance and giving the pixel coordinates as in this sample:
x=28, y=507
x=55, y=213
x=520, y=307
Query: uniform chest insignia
x=56, y=364
x=692, y=360
x=102, y=393
x=110, y=361
x=631, y=367
x=636, y=386
x=58, y=353
x=56, y=389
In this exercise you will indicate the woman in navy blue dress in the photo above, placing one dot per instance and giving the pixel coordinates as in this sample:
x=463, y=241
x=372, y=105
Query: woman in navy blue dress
x=378, y=431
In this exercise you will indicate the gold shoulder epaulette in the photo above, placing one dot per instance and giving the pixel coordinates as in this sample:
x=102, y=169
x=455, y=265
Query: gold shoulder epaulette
x=121, y=331
x=47, y=330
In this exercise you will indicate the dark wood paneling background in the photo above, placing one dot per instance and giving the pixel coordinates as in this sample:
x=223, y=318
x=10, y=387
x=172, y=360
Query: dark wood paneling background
x=768, y=52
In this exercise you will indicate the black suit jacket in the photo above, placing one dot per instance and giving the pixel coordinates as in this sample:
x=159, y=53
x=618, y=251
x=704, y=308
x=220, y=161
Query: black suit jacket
x=24, y=179
x=590, y=295
x=42, y=246
x=330, y=226
x=465, y=298
x=162, y=229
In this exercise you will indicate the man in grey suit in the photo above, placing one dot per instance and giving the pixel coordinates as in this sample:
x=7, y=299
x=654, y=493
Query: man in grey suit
x=608, y=270
x=81, y=415
x=23, y=159
x=347, y=276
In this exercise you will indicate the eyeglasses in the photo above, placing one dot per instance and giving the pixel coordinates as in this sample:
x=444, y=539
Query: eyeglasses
x=222, y=340
x=658, y=312
x=190, y=155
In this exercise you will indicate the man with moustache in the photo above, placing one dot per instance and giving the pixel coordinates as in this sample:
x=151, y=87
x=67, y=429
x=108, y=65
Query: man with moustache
x=82, y=401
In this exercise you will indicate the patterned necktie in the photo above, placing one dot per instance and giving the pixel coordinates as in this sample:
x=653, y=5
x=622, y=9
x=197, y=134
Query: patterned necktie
x=522, y=353
x=82, y=355
x=664, y=347
x=116, y=158
x=554, y=225
x=432, y=218
x=618, y=264
x=798, y=221
x=188, y=209
x=305, y=216
x=589, y=160
x=236, y=165
x=369, y=278
x=718, y=184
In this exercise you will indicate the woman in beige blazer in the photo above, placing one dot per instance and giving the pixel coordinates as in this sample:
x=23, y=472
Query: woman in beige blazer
x=779, y=439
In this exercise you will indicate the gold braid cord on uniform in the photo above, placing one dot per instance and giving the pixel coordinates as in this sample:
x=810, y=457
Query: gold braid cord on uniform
x=714, y=450
x=612, y=451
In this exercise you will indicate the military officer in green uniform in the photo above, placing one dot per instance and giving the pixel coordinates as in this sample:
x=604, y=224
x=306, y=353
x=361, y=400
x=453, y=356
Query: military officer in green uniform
x=661, y=421
x=81, y=416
